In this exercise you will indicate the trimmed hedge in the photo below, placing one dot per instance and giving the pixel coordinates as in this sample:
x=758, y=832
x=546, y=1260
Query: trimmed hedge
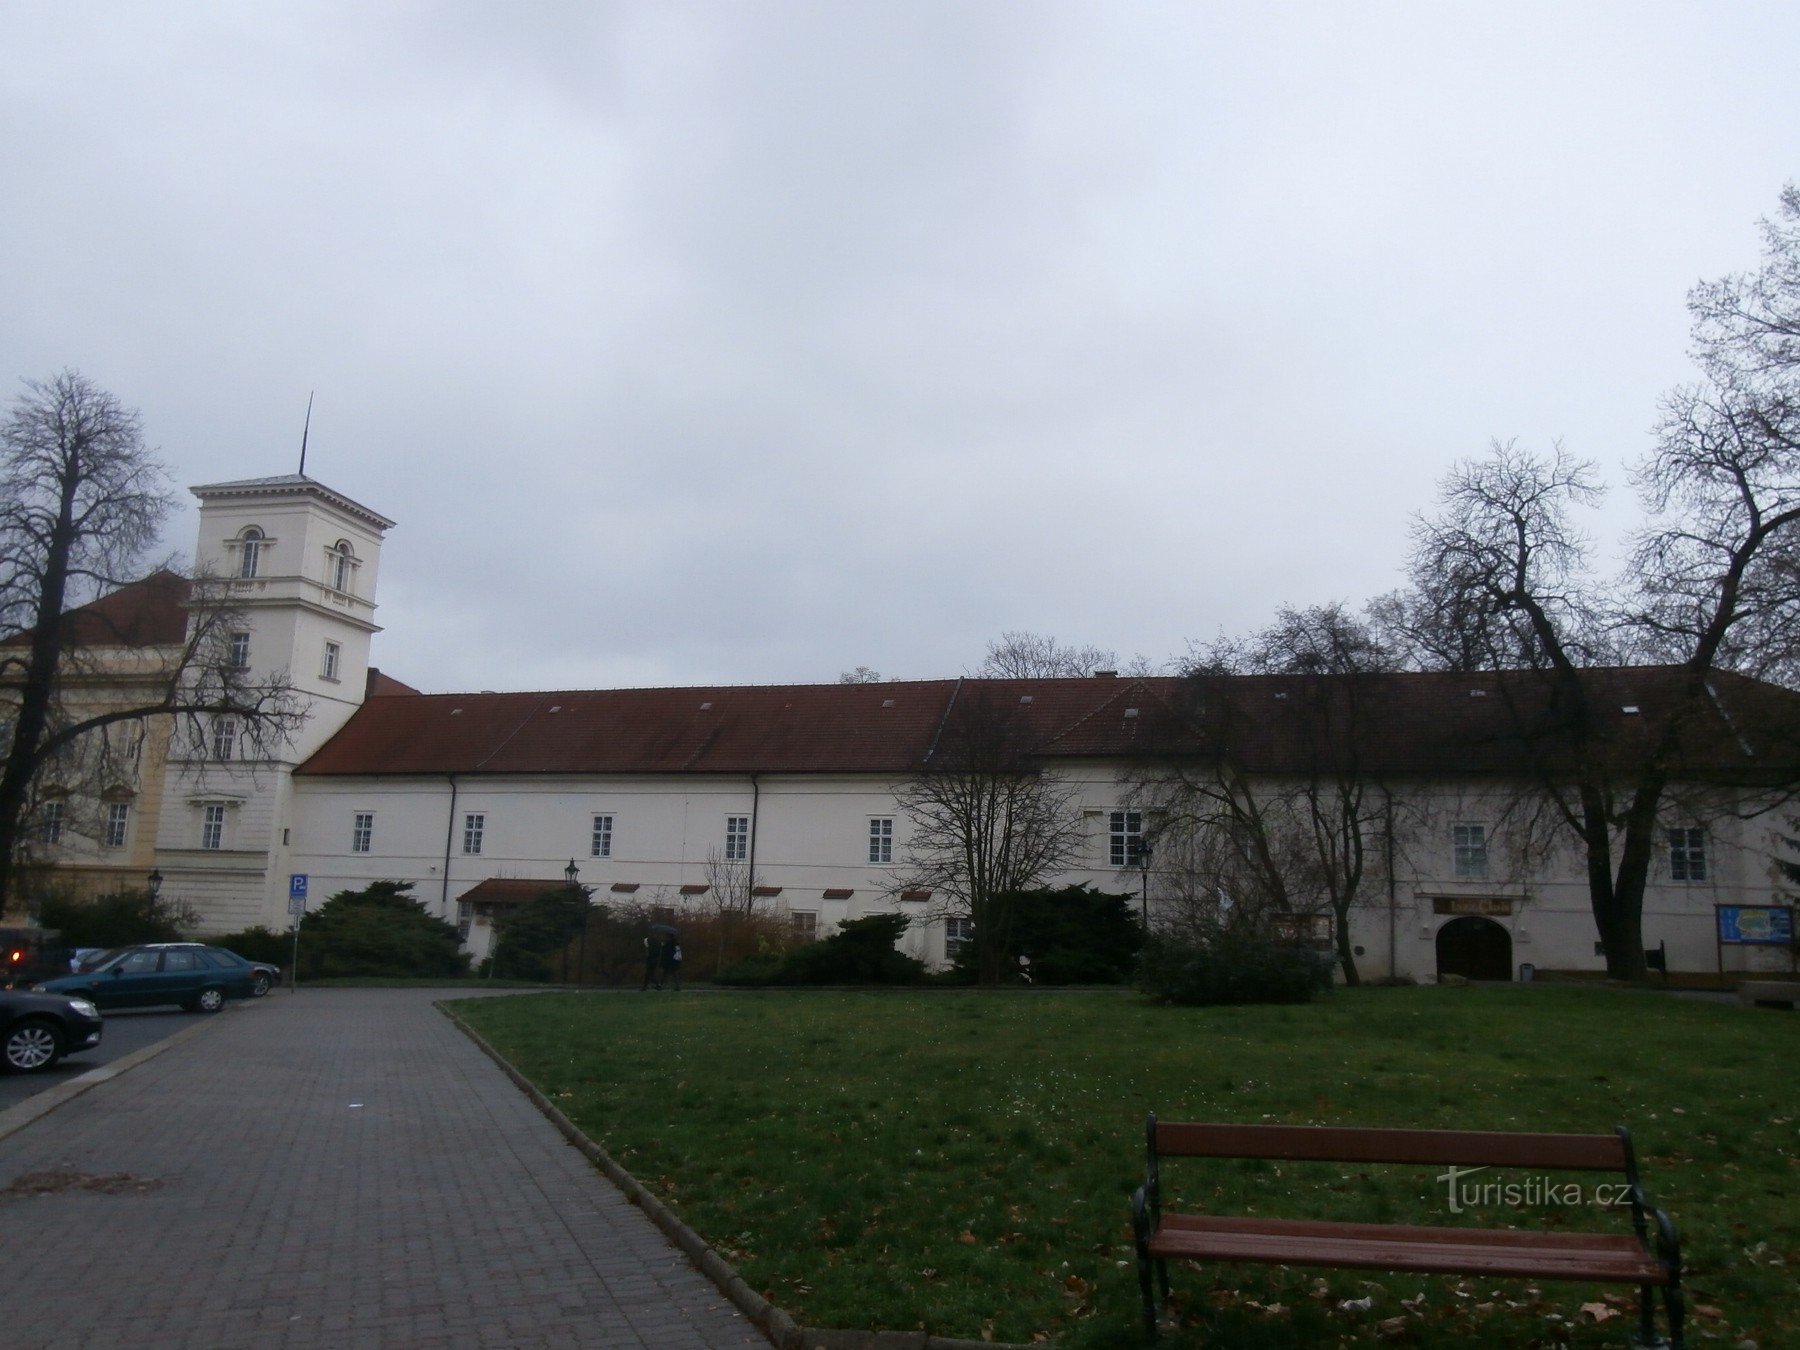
x=1233, y=967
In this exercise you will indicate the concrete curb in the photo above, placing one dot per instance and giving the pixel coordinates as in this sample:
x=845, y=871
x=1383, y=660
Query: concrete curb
x=781, y=1329
x=16, y=1118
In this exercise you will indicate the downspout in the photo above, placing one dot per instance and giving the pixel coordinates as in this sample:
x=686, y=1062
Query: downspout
x=1387, y=822
x=755, y=821
x=449, y=834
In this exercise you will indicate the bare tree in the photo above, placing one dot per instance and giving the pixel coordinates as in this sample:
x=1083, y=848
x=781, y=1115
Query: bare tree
x=1029, y=656
x=1277, y=837
x=987, y=821
x=81, y=503
x=861, y=675
x=1713, y=584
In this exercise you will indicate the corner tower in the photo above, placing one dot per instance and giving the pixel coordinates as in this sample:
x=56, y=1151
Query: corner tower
x=301, y=562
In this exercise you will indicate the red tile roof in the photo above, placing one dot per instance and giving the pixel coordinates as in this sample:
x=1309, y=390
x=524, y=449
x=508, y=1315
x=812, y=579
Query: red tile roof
x=1435, y=723
x=509, y=890
x=147, y=613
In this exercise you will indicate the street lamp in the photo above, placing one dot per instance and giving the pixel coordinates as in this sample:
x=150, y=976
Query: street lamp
x=1143, y=852
x=155, y=880
x=572, y=878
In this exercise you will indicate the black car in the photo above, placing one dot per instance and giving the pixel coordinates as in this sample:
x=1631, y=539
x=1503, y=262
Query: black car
x=36, y=1030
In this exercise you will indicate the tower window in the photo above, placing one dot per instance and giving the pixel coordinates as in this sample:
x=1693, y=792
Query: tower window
x=118, y=823
x=342, y=563
x=329, y=670
x=250, y=556
x=224, y=738
x=240, y=651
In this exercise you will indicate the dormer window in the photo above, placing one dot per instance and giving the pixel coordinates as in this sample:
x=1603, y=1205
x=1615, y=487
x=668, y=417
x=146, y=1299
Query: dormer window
x=250, y=546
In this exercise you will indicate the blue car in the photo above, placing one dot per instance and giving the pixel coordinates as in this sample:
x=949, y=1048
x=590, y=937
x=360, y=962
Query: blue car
x=197, y=978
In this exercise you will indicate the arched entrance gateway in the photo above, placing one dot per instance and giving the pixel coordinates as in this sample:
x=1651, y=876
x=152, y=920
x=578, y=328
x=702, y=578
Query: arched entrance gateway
x=1476, y=949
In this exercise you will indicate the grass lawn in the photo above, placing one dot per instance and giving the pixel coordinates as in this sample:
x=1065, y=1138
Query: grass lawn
x=961, y=1162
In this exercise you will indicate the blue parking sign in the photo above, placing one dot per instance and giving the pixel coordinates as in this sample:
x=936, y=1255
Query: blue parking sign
x=297, y=886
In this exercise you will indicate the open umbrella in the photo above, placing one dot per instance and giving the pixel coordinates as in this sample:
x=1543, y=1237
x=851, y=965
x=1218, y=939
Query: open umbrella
x=666, y=929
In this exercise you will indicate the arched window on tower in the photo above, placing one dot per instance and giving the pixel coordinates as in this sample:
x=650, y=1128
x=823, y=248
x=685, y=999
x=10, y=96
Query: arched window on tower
x=343, y=563
x=251, y=543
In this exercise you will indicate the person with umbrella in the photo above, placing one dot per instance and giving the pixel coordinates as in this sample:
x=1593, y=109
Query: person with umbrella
x=656, y=955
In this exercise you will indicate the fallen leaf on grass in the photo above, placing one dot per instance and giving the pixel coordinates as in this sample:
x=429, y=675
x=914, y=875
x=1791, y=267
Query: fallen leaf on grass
x=1599, y=1311
x=966, y=1238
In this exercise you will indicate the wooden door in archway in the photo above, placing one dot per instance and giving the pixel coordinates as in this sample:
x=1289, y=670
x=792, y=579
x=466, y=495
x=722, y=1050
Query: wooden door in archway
x=1476, y=949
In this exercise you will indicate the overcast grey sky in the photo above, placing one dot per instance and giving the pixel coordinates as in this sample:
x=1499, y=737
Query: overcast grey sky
x=749, y=342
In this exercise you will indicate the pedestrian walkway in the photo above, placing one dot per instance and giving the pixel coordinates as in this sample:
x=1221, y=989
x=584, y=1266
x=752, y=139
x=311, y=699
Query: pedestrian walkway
x=334, y=1168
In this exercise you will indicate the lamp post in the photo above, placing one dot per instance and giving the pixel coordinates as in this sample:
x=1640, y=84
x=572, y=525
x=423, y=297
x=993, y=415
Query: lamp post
x=572, y=879
x=154, y=882
x=1143, y=858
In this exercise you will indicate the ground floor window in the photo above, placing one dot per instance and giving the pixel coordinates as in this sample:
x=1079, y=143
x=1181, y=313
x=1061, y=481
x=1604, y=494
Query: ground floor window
x=806, y=924
x=958, y=933
x=1687, y=855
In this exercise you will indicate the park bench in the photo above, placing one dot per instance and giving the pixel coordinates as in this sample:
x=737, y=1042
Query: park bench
x=1621, y=1258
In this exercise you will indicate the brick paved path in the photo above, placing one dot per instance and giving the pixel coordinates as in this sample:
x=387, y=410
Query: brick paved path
x=334, y=1168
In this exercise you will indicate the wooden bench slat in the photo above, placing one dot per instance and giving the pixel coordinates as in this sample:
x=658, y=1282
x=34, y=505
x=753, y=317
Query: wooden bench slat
x=1324, y=1143
x=1446, y=1252
x=1496, y=1237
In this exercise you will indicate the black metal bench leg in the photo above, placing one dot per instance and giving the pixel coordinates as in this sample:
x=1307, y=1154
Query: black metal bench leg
x=1646, y=1333
x=1146, y=1284
x=1675, y=1303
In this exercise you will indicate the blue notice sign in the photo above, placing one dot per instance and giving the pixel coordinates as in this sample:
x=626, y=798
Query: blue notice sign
x=1756, y=925
x=297, y=886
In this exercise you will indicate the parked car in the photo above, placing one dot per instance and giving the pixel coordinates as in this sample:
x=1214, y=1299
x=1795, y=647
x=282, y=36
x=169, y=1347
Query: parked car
x=263, y=975
x=36, y=1029
x=188, y=975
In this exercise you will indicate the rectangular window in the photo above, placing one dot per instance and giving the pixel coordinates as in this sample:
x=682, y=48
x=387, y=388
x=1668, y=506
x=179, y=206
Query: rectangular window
x=958, y=933
x=212, y=827
x=1126, y=830
x=737, y=838
x=465, y=918
x=118, y=823
x=50, y=823
x=474, y=826
x=881, y=839
x=362, y=832
x=806, y=924
x=600, y=843
x=224, y=738
x=1469, y=844
x=329, y=670
x=1687, y=855
x=240, y=651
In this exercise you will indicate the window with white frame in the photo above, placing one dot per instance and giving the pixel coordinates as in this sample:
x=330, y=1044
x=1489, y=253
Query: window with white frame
x=342, y=560
x=881, y=839
x=1469, y=845
x=240, y=651
x=1126, y=835
x=362, y=831
x=474, y=826
x=806, y=924
x=465, y=918
x=1687, y=854
x=250, y=550
x=958, y=933
x=212, y=826
x=224, y=737
x=600, y=841
x=118, y=824
x=737, y=838
x=50, y=823
x=329, y=670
